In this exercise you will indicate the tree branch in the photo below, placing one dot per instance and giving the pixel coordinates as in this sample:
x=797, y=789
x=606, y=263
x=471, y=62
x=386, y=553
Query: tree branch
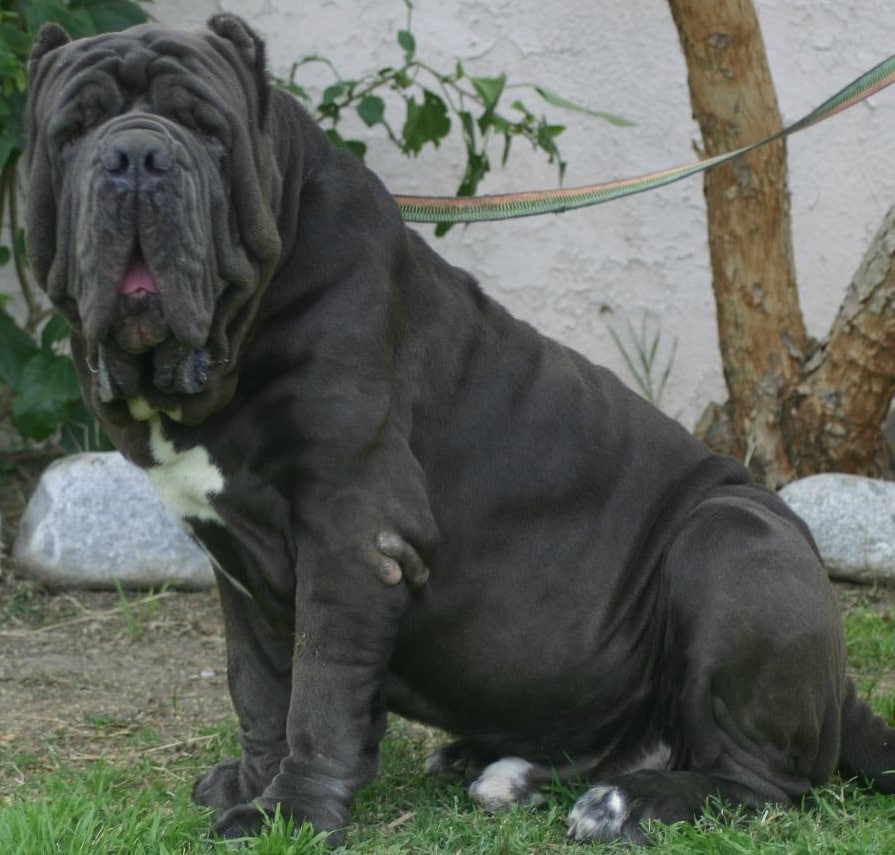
x=834, y=417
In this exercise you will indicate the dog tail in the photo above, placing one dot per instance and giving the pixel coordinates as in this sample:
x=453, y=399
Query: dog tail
x=867, y=749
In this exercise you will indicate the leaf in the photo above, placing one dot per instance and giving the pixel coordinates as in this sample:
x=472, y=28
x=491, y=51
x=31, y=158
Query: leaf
x=426, y=122
x=76, y=22
x=293, y=88
x=56, y=329
x=47, y=389
x=489, y=89
x=566, y=104
x=331, y=93
x=546, y=139
x=12, y=132
x=16, y=40
x=371, y=110
x=501, y=124
x=5, y=255
x=17, y=349
x=408, y=43
x=82, y=432
x=468, y=124
x=477, y=167
x=356, y=147
x=111, y=15
x=507, y=144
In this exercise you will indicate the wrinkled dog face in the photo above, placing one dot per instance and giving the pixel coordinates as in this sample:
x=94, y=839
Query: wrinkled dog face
x=135, y=227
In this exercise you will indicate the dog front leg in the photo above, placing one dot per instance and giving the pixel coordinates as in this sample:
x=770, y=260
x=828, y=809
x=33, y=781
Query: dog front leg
x=346, y=622
x=259, y=662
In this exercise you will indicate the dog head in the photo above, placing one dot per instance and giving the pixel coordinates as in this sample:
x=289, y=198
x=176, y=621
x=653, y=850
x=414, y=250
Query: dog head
x=152, y=206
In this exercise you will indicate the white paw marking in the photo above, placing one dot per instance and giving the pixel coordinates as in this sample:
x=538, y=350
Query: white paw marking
x=186, y=481
x=504, y=783
x=599, y=814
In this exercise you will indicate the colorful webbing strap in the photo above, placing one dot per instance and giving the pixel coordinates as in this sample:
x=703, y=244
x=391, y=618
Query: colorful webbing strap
x=448, y=209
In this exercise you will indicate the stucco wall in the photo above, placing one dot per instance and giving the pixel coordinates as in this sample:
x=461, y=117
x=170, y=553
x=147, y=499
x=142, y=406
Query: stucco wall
x=573, y=276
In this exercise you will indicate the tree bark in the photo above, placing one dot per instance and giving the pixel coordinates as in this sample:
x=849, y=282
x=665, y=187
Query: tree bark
x=760, y=328
x=794, y=407
x=833, y=417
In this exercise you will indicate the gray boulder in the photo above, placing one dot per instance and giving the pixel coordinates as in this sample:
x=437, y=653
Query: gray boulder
x=852, y=520
x=94, y=519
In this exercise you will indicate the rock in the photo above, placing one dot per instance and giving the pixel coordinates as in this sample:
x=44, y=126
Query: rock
x=852, y=520
x=93, y=519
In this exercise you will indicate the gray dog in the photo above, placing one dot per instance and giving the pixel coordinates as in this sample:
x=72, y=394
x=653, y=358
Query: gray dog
x=414, y=502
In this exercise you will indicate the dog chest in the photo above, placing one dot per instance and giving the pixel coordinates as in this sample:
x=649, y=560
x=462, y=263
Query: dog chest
x=187, y=481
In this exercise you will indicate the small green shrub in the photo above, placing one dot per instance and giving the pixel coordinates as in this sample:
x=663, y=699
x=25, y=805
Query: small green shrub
x=38, y=387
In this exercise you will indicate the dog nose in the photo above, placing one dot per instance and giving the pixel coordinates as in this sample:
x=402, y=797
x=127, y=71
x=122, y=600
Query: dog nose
x=137, y=159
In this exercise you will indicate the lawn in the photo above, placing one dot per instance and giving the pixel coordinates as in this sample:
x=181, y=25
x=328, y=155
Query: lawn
x=135, y=800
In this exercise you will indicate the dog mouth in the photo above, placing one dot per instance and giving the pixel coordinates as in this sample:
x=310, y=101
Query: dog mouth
x=140, y=356
x=139, y=322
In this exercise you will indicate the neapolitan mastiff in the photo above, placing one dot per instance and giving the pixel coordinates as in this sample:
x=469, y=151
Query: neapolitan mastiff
x=414, y=502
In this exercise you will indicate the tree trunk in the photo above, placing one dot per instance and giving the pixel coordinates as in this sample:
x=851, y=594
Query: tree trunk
x=833, y=417
x=794, y=407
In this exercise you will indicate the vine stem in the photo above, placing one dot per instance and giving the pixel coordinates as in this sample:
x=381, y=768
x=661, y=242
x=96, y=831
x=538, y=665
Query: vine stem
x=36, y=313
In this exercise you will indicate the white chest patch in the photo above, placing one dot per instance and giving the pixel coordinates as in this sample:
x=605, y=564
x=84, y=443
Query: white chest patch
x=186, y=481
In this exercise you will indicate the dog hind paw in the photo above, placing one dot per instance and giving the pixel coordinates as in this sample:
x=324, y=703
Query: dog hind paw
x=507, y=782
x=600, y=815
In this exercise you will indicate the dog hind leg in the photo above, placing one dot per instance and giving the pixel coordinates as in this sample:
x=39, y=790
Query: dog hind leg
x=752, y=672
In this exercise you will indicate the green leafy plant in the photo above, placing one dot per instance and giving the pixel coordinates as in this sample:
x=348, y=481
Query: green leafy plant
x=40, y=390
x=137, y=614
x=642, y=357
x=434, y=103
x=38, y=387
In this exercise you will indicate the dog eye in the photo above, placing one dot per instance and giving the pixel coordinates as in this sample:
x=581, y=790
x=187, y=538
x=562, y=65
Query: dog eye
x=72, y=136
x=215, y=144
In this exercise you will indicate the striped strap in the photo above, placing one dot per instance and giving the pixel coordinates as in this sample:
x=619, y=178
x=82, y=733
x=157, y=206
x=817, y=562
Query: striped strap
x=448, y=209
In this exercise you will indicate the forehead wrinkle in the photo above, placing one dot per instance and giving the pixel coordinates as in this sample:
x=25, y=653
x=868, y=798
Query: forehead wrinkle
x=94, y=89
x=75, y=71
x=133, y=73
x=89, y=73
x=210, y=68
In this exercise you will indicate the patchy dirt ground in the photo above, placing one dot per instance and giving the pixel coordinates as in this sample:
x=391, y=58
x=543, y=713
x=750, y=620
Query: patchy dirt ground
x=81, y=670
x=78, y=671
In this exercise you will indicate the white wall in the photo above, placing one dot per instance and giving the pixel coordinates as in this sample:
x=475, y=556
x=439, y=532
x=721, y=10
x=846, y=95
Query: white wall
x=574, y=275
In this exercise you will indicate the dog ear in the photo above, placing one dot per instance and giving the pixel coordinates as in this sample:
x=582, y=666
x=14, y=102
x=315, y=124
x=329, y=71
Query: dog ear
x=49, y=37
x=251, y=49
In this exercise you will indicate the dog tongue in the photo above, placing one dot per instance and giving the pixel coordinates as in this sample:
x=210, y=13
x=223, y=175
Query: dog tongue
x=138, y=280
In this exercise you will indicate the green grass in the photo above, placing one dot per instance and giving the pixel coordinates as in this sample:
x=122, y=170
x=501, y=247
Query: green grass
x=870, y=638
x=142, y=806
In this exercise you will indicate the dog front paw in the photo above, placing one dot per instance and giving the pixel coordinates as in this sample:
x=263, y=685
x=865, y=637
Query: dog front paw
x=226, y=785
x=240, y=821
x=248, y=820
x=219, y=788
